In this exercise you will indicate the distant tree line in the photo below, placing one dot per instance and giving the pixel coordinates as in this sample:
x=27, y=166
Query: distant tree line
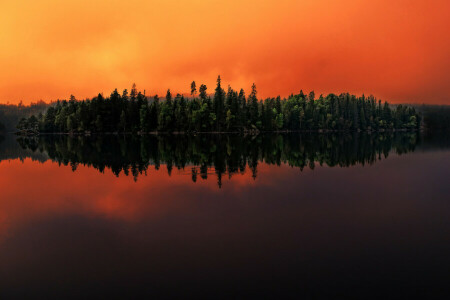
x=206, y=154
x=11, y=114
x=223, y=111
x=435, y=117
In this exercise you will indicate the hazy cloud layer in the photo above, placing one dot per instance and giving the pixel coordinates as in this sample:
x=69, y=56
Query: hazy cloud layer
x=396, y=50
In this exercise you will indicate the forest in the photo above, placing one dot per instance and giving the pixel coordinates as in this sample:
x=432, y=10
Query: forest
x=221, y=111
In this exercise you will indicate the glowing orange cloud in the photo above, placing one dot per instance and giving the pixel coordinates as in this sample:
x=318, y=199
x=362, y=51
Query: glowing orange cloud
x=396, y=50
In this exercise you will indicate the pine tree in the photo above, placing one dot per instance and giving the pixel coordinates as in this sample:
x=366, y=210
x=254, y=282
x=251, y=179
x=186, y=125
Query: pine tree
x=253, y=106
x=218, y=102
x=193, y=89
x=202, y=91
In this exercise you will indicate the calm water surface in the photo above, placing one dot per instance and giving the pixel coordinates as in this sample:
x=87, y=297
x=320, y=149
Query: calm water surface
x=318, y=216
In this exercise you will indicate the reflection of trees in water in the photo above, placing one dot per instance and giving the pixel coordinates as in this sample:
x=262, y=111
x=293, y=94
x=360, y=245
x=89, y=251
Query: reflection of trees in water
x=224, y=154
x=10, y=149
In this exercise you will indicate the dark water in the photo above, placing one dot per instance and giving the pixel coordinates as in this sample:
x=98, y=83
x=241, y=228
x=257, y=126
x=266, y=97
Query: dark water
x=273, y=216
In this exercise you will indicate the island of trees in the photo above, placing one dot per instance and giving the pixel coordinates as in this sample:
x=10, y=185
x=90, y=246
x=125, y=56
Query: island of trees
x=222, y=111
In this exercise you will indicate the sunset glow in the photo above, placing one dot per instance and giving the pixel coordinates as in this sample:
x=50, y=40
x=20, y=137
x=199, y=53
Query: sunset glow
x=395, y=50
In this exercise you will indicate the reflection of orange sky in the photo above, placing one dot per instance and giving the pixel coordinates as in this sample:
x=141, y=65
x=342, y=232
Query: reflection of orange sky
x=89, y=192
x=396, y=50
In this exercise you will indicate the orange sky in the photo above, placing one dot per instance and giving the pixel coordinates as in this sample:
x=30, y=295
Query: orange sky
x=397, y=50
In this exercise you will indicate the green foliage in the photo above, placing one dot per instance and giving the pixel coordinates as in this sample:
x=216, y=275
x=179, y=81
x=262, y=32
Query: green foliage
x=225, y=111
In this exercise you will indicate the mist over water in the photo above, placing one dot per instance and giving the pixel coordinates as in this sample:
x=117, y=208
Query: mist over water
x=225, y=216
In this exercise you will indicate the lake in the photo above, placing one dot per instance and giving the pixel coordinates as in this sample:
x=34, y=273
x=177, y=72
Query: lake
x=225, y=216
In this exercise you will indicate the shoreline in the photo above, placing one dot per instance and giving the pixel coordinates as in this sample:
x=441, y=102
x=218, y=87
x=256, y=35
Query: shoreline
x=247, y=132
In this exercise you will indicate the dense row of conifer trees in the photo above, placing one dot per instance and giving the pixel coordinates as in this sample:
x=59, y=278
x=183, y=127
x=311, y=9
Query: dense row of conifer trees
x=224, y=111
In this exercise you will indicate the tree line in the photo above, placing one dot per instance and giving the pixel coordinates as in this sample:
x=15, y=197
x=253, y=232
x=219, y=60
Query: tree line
x=435, y=117
x=222, y=111
x=11, y=114
x=222, y=155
